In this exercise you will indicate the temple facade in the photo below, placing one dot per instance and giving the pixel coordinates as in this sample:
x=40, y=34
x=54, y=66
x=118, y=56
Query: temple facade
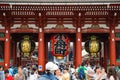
x=76, y=19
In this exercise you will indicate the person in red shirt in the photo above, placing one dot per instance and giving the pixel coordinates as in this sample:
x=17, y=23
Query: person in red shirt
x=8, y=76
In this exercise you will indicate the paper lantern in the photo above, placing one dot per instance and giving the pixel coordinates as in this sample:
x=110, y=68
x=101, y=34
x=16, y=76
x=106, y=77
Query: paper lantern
x=26, y=46
x=93, y=46
x=60, y=45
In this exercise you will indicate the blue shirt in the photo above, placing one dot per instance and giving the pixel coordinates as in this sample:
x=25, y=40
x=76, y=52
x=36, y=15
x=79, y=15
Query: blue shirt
x=49, y=76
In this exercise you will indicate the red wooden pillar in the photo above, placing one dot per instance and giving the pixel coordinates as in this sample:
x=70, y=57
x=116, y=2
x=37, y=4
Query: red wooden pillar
x=112, y=46
x=7, y=49
x=41, y=54
x=78, y=59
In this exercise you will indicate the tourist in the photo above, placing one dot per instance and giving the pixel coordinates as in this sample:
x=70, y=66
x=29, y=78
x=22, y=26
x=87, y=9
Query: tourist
x=82, y=71
x=25, y=72
x=97, y=75
x=49, y=73
x=2, y=75
x=15, y=70
x=19, y=75
x=73, y=74
x=29, y=71
x=1, y=68
x=58, y=74
x=90, y=72
x=11, y=70
x=8, y=76
x=114, y=67
x=34, y=74
x=111, y=75
x=103, y=74
x=66, y=74
x=118, y=73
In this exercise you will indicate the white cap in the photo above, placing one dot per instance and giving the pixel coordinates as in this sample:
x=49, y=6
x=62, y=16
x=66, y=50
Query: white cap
x=72, y=70
x=51, y=66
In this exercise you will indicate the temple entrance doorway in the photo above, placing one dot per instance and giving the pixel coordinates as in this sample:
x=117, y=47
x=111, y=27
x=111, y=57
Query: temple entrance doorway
x=102, y=56
x=19, y=58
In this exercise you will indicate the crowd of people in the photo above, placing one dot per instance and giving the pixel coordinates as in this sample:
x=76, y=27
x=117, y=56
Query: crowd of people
x=62, y=71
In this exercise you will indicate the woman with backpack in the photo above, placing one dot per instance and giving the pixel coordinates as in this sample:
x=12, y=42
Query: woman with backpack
x=82, y=72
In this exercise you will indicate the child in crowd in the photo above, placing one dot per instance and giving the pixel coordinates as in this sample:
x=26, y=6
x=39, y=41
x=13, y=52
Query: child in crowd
x=8, y=76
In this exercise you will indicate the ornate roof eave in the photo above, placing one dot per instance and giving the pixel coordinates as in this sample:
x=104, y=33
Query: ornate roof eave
x=60, y=1
x=58, y=7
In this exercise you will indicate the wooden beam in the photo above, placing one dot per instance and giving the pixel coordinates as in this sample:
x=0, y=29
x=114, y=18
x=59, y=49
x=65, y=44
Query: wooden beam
x=60, y=30
x=2, y=30
x=2, y=39
x=117, y=39
x=23, y=31
x=1, y=63
x=95, y=30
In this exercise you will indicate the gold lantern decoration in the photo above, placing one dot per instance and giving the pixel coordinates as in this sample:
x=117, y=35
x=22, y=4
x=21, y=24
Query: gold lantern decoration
x=59, y=57
x=93, y=46
x=26, y=46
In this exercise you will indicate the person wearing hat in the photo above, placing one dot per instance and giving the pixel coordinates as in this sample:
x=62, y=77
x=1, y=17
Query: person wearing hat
x=49, y=73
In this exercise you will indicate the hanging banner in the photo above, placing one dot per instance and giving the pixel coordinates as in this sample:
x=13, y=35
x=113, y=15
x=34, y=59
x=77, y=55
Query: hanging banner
x=60, y=45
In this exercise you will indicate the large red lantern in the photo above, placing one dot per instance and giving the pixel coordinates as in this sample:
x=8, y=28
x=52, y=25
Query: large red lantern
x=60, y=45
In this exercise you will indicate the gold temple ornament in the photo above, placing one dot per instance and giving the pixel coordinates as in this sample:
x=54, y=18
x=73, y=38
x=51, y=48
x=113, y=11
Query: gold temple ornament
x=60, y=57
x=26, y=46
x=93, y=46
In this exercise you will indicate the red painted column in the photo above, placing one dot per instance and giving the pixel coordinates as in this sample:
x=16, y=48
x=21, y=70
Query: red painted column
x=78, y=59
x=41, y=54
x=112, y=46
x=7, y=49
